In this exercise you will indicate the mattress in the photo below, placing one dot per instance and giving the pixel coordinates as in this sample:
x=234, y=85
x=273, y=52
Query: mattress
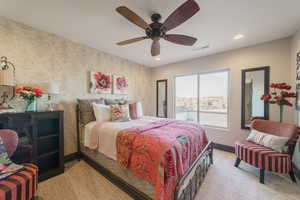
x=101, y=136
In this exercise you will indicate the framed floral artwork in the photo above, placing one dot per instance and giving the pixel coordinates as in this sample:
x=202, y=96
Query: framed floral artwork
x=101, y=83
x=120, y=84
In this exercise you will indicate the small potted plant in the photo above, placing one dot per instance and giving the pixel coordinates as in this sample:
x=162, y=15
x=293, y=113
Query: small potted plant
x=30, y=95
x=280, y=95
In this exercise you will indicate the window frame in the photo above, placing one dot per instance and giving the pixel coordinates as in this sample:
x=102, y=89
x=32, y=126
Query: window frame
x=198, y=96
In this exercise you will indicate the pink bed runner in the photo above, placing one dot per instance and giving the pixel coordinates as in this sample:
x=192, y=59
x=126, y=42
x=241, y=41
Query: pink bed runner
x=161, y=152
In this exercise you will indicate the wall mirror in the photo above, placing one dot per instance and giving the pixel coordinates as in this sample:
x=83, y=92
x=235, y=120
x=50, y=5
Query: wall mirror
x=162, y=98
x=255, y=83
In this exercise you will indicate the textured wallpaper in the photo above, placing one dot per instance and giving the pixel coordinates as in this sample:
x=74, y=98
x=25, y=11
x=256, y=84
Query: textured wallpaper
x=41, y=57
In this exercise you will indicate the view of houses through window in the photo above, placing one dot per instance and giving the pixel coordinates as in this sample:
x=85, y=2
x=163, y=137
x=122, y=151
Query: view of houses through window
x=203, y=98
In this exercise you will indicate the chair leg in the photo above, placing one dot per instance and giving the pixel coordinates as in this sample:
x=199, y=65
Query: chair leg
x=237, y=162
x=211, y=157
x=262, y=176
x=292, y=175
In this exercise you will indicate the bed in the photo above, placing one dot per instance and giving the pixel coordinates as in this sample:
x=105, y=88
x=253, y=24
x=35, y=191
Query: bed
x=98, y=147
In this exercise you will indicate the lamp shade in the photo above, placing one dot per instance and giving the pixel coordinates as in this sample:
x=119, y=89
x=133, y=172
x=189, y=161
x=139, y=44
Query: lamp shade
x=53, y=88
x=7, y=77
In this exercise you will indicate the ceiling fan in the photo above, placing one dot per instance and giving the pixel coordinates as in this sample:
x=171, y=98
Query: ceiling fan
x=157, y=30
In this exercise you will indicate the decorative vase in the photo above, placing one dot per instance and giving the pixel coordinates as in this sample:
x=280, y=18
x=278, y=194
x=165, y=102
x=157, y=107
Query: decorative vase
x=281, y=107
x=31, y=106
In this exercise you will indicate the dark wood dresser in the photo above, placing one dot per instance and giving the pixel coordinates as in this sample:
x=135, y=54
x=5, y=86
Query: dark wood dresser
x=45, y=132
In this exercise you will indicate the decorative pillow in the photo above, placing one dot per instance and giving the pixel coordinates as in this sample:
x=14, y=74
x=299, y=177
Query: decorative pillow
x=86, y=109
x=271, y=141
x=120, y=113
x=102, y=112
x=136, y=110
x=7, y=167
x=115, y=101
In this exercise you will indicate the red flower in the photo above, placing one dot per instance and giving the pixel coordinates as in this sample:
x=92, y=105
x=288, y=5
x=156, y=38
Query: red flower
x=38, y=91
x=29, y=93
x=266, y=97
x=20, y=89
x=279, y=94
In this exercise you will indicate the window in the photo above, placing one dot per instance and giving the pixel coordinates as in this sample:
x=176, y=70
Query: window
x=187, y=98
x=203, y=98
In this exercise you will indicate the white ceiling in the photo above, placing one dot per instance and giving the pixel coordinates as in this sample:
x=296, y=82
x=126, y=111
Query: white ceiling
x=97, y=24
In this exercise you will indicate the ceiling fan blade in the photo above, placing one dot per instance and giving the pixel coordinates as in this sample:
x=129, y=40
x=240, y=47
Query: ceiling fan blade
x=133, y=17
x=155, y=48
x=131, y=41
x=181, y=39
x=181, y=14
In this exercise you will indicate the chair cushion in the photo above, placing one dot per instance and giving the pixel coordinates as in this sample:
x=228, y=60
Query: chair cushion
x=10, y=140
x=21, y=185
x=263, y=157
x=275, y=128
x=272, y=141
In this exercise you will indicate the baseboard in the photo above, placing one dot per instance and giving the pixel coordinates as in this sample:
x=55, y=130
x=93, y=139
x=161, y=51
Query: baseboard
x=72, y=157
x=224, y=147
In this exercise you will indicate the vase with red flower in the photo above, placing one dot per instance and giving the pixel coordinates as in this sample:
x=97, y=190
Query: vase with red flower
x=280, y=95
x=30, y=95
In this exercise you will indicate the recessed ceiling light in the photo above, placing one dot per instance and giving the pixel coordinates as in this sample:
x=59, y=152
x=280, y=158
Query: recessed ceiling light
x=238, y=36
x=157, y=58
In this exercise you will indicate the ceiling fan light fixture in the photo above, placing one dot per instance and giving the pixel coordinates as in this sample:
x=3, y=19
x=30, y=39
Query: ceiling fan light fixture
x=238, y=36
x=157, y=30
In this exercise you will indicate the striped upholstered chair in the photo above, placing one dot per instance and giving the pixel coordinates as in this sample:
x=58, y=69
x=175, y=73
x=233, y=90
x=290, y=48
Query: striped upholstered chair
x=265, y=158
x=23, y=184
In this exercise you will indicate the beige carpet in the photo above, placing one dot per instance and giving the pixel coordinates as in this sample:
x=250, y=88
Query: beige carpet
x=223, y=182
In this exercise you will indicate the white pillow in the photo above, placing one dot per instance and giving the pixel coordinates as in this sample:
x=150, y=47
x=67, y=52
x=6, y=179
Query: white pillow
x=139, y=110
x=102, y=112
x=274, y=142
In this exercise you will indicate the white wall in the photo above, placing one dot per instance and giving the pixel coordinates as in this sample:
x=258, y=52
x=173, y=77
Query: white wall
x=276, y=54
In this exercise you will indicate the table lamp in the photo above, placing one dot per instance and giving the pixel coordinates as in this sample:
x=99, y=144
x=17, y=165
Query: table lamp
x=52, y=90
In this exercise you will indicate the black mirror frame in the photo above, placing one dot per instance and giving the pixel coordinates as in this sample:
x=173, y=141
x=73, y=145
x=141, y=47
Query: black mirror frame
x=266, y=69
x=166, y=90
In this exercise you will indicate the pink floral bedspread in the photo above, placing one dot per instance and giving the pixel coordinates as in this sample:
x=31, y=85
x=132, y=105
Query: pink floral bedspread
x=161, y=152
